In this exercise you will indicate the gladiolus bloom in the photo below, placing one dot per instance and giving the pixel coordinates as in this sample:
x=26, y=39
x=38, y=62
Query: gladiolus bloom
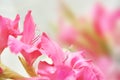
x=26, y=44
x=66, y=65
x=7, y=27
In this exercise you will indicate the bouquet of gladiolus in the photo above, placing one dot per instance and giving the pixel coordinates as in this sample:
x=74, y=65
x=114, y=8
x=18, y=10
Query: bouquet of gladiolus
x=63, y=64
x=99, y=35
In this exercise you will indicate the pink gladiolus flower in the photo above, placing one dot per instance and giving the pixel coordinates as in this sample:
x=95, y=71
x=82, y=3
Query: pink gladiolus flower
x=26, y=40
x=26, y=44
x=51, y=49
x=66, y=65
x=73, y=68
x=7, y=27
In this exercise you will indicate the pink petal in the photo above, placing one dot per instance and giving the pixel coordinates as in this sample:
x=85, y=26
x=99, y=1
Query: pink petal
x=29, y=29
x=63, y=73
x=98, y=15
x=82, y=67
x=4, y=32
x=52, y=49
x=29, y=52
x=104, y=21
x=15, y=45
x=7, y=27
x=55, y=72
x=93, y=73
x=73, y=57
x=45, y=69
x=13, y=30
x=30, y=57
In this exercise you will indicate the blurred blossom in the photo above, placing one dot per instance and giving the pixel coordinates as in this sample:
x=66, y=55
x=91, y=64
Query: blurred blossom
x=1, y=71
x=81, y=34
x=107, y=22
x=99, y=35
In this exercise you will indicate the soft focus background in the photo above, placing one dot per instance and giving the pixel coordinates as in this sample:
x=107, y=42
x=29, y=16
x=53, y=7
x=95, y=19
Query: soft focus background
x=44, y=13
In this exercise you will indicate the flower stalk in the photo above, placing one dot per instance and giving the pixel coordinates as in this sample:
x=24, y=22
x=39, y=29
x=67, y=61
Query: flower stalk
x=29, y=69
x=8, y=73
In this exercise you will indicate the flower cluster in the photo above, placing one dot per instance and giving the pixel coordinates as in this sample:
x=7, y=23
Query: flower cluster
x=65, y=65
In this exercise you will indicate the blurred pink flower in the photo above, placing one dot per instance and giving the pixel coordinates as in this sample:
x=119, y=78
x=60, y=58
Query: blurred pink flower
x=1, y=70
x=105, y=25
x=96, y=37
x=7, y=27
x=105, y=22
